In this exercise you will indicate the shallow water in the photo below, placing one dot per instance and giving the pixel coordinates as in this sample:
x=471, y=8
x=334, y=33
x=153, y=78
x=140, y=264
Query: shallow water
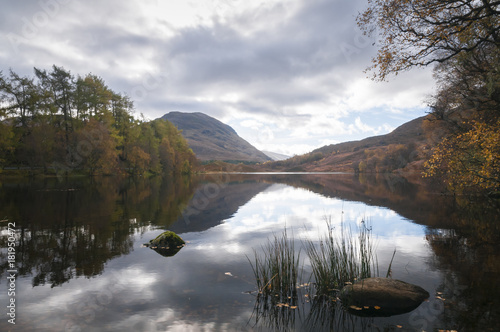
x=81, y=264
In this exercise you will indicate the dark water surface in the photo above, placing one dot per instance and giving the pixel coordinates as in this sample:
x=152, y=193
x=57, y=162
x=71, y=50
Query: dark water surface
x=81, y=264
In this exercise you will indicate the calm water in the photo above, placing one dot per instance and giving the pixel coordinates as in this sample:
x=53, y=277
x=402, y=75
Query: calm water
x=82, y=265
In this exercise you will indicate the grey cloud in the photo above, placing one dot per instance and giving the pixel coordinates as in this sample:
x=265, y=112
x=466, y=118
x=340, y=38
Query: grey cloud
x=276, y=58
x=305, y=45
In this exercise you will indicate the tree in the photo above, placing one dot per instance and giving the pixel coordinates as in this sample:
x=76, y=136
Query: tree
x=470, y=161
x=7, y=145
x=167, y=155
x=139, y=160
x=97, y=147
x=97, y=97
x=416, y=33
x=60, y=85
x=40, y=146
x=20, y=96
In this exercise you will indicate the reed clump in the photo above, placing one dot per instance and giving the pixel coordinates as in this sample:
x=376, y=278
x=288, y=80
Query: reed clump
x=339, y=259
x=276, y=269
x=335, y=260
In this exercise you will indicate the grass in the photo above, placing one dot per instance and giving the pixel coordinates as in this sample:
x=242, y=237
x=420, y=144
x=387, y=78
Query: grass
x=339, y=259
x=335, y=260
x=287, y=291
x=277, y=269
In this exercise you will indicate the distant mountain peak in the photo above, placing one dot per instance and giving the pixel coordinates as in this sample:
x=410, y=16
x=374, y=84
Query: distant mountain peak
x=276, y=156
x=211, y=139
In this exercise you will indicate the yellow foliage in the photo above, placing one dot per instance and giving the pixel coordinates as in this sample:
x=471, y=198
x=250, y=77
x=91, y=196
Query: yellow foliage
x=469, y=161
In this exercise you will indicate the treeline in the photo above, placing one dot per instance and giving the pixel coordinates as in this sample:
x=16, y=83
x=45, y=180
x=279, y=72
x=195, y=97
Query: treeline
x=56, y=122
x=387, y=158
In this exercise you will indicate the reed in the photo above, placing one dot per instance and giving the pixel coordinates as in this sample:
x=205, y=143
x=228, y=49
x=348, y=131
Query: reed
x=276, y=270
x=283, y=294
x=335, y=260
x=338, y=259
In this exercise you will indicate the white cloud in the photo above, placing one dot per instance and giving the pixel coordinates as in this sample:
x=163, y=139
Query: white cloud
x=362, y=127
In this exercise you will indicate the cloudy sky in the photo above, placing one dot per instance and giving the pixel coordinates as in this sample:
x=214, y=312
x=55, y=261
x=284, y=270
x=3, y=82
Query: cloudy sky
x=287, y=75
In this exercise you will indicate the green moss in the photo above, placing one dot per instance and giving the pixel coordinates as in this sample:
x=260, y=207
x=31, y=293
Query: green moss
x=167, y=239
x=167, y=244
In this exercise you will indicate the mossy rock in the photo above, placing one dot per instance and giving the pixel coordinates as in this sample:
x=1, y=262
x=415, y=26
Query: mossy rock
x=382, y=297
x=167, y=243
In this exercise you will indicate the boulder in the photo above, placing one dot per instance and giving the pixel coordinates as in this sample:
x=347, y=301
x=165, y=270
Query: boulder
x=167, y=243
x=382, y=297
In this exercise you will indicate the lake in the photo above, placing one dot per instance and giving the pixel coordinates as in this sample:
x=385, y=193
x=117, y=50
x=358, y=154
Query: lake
x=81, y=263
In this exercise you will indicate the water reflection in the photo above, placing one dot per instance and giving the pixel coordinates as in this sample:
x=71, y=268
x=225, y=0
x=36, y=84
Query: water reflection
x=85, y=237
x=73, y=228
x=469, y=257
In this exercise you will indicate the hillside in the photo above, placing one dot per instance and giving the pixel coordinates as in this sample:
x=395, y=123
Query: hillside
x=405, y=148
x=211, y=139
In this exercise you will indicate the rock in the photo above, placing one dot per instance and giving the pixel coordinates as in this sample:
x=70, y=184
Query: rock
x=382, y=297
x=167, y=243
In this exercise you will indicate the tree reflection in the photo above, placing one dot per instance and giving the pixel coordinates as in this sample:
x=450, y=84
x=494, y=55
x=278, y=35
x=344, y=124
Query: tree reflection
x=71, y=229
x=470, y=256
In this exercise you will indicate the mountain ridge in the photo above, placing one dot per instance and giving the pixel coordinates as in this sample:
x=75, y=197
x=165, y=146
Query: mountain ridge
x=211, y=139
x=404, y=149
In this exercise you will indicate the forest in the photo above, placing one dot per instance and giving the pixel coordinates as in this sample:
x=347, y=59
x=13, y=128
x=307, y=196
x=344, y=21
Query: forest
x=58, y=123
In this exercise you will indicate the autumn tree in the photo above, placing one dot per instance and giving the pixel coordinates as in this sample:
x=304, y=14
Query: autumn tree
x=56, y=122
x=96, y=144
x=469, y=161
x=462, y=39
x=139, y=160
x=414, y=33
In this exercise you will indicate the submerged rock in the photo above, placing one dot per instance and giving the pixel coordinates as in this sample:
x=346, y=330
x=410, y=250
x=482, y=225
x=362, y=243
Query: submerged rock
x=167, y=243
x=382, y=297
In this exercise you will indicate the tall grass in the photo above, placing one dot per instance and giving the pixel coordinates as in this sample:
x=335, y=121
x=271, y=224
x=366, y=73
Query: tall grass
x=276, y=270
x=338, y=259
x=335, y=260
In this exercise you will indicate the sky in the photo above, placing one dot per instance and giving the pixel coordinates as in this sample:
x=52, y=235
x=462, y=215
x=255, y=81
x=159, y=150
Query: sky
x=288, y=75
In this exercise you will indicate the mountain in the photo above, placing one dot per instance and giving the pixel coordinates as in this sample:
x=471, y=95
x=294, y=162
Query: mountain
x=408, y=132
x=211, y=139
x=275, y=156
x=405, y=148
